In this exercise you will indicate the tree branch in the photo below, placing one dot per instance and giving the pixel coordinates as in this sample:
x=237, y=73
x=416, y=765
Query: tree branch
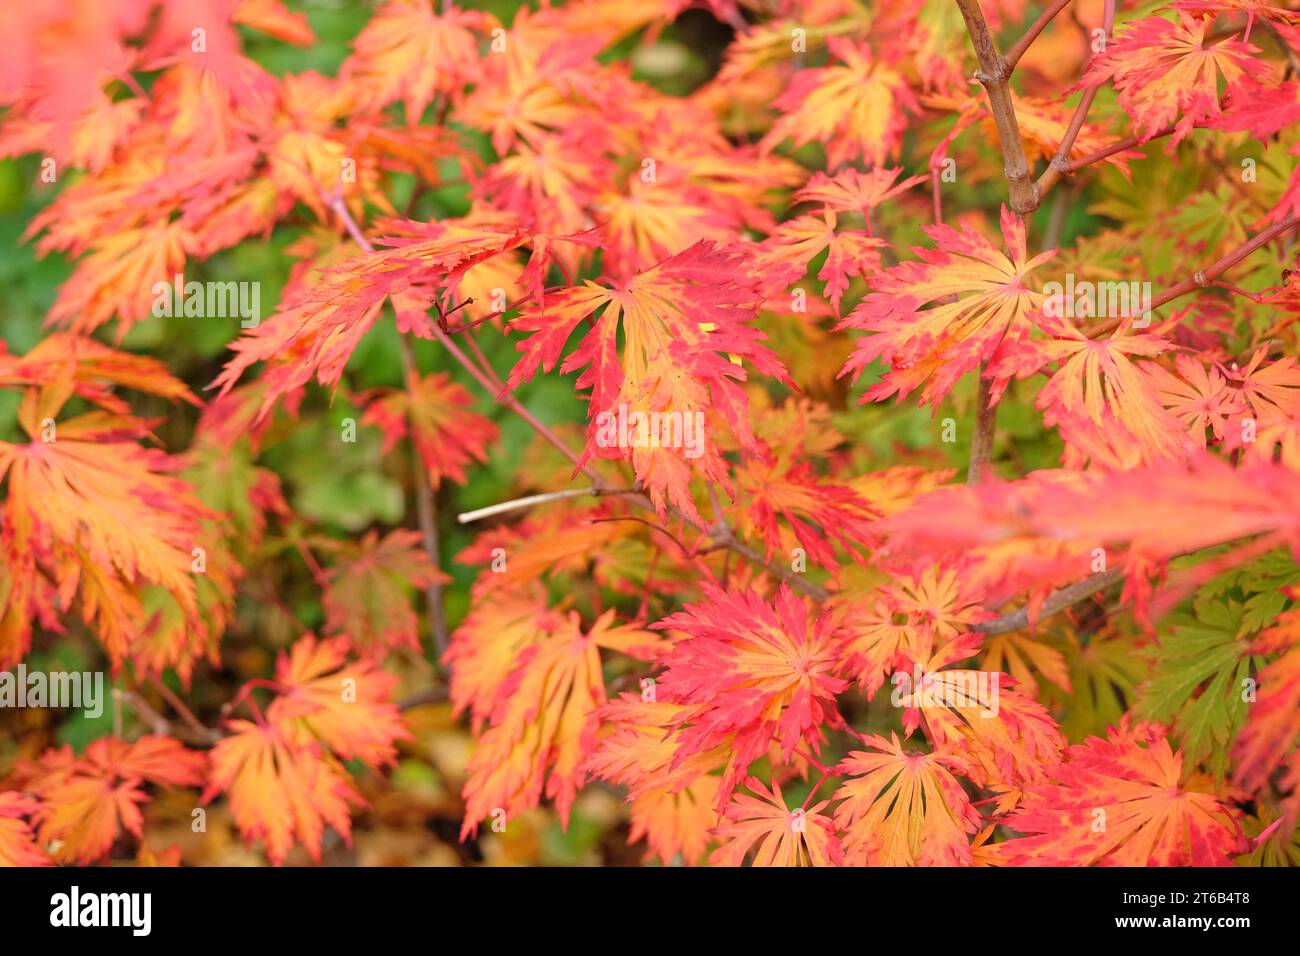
x=1056, y=601
x=981, y=446
x=1037, y=27
x=518, y=504
x=1203, y=278
x=1060, y=164
x=426, y=512
x=993, y=74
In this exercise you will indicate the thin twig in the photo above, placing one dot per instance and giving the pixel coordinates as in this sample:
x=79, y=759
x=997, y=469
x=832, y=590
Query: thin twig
x=1204, y=278
x=1037, y=27
x=518, y=504
x=187, y=715
x=986, y=419
x=1056, y=601
x=993, y=74
x=1060, y=163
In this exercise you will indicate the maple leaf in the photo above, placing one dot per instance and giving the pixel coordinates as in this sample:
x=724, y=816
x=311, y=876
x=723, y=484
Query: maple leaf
x=671, y=806
x=1123, y=801
x=544, y=718
x=1168, y=70
x=1198, y=396
x=94, y=368
x=17, y=844
x=488, y=641
x=1204, y=653
x=640, y=750
x=117, y=278
x=1097, y=379
x=784, y=256
x=1270, y=738
x=675, y=823
x=857, y=106
x=1020, y=656
x=434, y=411
x=680, y=320
x=317, y=327
x=754, y=673
x=1008, y=739
x=901, y=808
x=368, y=594
x=114, y=516
x=347, y=707
x=86, y=802
x=409, y=52
x=907, y=616
x=1269, y=390
x=783, y=837
x=851, y=190
x=939, y=344
x=814, y=508
x=653, y=220
x=281, y=790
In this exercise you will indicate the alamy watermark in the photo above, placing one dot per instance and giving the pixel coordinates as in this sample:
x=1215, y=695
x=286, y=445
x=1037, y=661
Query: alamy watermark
x=1098, y=300
x=624, y=429
x=62, y=689
x=209, y=300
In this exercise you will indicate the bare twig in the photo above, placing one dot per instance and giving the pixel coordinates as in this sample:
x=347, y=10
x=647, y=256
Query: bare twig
x=1056, y=601
x=518, y=504
x=426, y=510
x=1204, y=278
x=993, y=74
x=1060, y=164
x=1037, y=27
x=175, y=703
x=981, y=446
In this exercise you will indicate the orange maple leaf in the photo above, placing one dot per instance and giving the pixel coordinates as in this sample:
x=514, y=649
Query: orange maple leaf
x=17, y=842
x=85, y=802
x=434, y=411
x=1123, y=801
x=680, y=320
x=904, y=808
x=857, y=106
x=784, y=837
x=544, y=719
x=368, y=600
x=347, y=707
x=281, y=790
x=977, y=301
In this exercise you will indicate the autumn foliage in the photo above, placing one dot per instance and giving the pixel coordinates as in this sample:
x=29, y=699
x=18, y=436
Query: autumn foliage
x=831, y=433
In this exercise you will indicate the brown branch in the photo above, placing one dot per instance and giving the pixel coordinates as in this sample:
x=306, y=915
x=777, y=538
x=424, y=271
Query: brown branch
x=1132, y=142
x=1037, y=27
x=993, y=73
x=1057, y=601
x=1204, y=278
x=202, y=731
x=431, y=695
x=981, y=446
x=426, y=510
x=1060, y=164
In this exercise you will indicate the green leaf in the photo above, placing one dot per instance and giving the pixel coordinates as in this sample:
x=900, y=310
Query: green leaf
x=1199, y=667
